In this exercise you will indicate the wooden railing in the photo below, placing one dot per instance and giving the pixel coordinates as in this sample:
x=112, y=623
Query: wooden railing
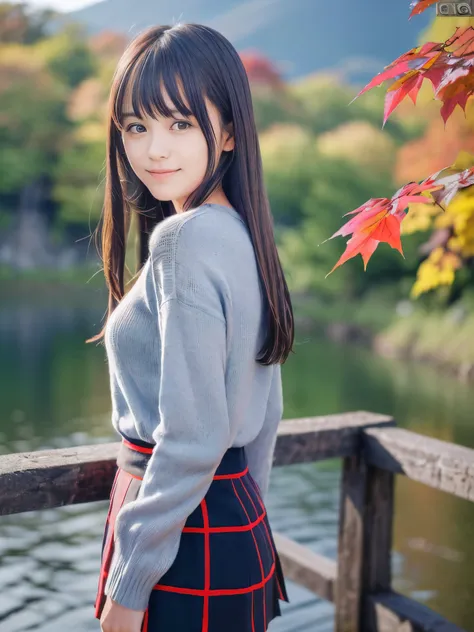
x=373, y=450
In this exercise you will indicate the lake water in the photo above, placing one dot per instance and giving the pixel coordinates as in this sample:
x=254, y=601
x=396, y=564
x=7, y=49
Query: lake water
x=55, y=393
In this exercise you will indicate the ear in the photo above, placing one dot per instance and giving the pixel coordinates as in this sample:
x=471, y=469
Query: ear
x=228, y=134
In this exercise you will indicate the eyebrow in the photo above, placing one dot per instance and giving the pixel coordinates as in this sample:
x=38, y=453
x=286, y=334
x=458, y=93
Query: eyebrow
x=133, y=115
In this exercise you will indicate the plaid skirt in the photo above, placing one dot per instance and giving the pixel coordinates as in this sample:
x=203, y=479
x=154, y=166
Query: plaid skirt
x=227, y=574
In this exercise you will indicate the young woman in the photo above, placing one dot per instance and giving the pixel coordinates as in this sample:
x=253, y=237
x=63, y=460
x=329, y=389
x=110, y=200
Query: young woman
x=194, y=348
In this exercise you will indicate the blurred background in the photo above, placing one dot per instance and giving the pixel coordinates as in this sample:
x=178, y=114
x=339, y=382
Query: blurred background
x=374, y=340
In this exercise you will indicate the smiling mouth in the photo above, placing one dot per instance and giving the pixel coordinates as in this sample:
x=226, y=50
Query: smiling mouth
x=161, y=175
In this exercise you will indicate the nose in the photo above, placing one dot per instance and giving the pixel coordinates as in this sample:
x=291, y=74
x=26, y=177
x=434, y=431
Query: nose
x=159, y=146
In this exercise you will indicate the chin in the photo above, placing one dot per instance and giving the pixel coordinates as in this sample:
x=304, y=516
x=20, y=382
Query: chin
x=163, y=193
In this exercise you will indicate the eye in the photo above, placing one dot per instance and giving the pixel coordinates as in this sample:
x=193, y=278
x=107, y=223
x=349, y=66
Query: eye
x=182, y=123
x=134, y=125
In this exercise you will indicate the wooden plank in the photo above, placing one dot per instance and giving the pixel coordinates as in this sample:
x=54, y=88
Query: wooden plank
x=305, y=567
x=315, y=438
x=350, y=559
x=391, y=612
x=53, y=478
x=436, y=463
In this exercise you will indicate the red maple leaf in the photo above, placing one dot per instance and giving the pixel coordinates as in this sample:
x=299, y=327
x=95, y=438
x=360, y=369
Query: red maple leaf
x=379, y=219
x=418, y=6
x=447, y=65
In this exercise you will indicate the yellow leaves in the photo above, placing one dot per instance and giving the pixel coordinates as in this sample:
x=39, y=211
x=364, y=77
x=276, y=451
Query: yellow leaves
x=460, y=216
x=440, y=266
x=461, y=208
x=457, y=220
x=438, y=269
x=455, y=244
x=465, y=159
x=419, y=217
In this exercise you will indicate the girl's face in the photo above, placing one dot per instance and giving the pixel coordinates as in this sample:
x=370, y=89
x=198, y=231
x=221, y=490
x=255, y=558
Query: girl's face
x=175, y=146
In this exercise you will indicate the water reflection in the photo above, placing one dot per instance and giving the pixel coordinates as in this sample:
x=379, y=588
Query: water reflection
x=55, y=393
x=53, y=384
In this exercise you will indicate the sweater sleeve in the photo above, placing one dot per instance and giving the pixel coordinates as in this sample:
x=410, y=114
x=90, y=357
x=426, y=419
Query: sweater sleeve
x=261, y=450
x=191, y=438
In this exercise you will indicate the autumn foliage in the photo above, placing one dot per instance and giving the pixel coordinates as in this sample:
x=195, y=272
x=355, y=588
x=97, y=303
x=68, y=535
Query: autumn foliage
x=260, y=69
x=449, y=67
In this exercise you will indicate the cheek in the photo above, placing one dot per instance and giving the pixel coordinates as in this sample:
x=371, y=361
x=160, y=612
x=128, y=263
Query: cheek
x=195, y=152
x=134, y=157
x=194, y=144
x=131, y=151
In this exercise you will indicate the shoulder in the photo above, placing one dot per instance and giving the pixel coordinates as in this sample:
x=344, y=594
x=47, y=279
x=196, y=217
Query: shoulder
x=192, y=252
x=193, y=233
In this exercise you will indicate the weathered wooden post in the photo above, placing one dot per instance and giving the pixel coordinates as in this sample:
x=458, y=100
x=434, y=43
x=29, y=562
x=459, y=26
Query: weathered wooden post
x=364, y=543
x=378, y=534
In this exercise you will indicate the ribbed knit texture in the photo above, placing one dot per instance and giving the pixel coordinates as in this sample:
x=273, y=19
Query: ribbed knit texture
x=181, y=348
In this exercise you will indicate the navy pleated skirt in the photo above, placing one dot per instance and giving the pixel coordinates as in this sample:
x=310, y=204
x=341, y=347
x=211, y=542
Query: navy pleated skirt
x=227, y=575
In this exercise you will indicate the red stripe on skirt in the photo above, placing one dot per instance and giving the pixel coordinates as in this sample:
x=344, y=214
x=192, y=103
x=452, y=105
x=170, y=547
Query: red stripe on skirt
x=253, y=620
x=216, y=592
x=266, y=531
x=109, y=541
x=207, y=566
x=259, y=558
x=245, y=527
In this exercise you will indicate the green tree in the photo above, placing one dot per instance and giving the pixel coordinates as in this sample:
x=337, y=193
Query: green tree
x=21, y=26
x=288, y=155
x=33, y=119
x=326, y=103
x=67, y=55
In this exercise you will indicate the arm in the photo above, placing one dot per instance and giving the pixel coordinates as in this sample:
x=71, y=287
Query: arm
x=191, y=438
x=260, y=450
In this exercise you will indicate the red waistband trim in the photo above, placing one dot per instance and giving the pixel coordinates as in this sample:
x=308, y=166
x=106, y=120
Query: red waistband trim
x=143, y=450
x=137, y=448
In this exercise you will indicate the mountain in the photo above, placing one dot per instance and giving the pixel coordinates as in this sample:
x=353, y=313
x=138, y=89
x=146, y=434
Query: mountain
x=301, y=36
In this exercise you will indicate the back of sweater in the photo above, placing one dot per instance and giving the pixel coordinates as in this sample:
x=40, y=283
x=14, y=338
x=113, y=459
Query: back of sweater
x=181, y=348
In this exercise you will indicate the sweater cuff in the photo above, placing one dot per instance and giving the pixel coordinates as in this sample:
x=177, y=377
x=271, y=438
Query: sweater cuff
x=128, y=585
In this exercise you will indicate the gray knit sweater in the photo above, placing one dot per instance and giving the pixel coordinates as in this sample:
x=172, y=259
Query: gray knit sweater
x=181, y=348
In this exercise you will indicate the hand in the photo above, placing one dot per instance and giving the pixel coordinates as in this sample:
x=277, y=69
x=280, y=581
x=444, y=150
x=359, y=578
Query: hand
x=118, y=618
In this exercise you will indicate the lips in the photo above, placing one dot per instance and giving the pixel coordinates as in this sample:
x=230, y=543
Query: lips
x=161, y=175
x=164, y=171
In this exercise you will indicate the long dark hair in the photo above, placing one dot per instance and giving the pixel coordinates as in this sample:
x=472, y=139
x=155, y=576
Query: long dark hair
x=206, y=64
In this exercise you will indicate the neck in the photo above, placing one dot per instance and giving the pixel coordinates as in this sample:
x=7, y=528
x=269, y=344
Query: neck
x=216, y=197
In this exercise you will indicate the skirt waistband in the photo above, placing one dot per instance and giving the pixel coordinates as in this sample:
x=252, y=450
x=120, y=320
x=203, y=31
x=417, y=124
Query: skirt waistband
x=134, y=455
